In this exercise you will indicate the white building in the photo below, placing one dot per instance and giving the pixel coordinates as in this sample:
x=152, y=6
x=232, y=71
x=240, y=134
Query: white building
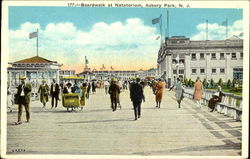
x=107, y=74
x=35, y=69
x=210, y=59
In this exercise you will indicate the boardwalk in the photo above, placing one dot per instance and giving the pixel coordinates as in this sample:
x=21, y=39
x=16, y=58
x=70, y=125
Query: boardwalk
x=97, y=130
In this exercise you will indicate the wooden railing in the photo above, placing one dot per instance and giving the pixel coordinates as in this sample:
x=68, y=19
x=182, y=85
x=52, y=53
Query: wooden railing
x=230, y=105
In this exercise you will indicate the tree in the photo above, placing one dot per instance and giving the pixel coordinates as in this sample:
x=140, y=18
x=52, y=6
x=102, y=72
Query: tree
x=204, y=82
x=185, y=81
x=229, y=83
x=220, y=82
x=190, y=83
x=212, y=83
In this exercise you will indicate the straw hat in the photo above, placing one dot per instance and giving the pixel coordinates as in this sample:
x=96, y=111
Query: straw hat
x=114, y=79
x=43, y=81
x=22, y=77
x=132, y=78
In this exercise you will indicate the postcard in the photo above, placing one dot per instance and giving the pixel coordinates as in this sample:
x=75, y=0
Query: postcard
x=125, y=79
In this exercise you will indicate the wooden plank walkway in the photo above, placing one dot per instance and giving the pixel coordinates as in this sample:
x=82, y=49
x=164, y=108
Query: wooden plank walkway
x=98, y=131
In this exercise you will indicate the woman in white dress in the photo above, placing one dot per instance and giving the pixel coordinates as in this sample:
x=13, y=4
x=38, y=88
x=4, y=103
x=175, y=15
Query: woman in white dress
x=179, y=92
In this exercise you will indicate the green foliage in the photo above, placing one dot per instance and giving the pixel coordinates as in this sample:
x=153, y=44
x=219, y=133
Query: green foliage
x=212, y=83
x=220, y=82
x=190, y=83
x=229, y=83
x=185, y=81
x=205, y=83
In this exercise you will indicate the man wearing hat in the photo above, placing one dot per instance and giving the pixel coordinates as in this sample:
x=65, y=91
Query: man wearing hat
x=136, y=96
x=44, y=93
x=54, y=92
x=114, y=92
x=23, y=94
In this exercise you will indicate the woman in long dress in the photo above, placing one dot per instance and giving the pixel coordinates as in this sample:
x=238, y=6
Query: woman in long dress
x=198, y=91
x=217, y=96
x=159, y=92
x=83, y=94
x=179, y=92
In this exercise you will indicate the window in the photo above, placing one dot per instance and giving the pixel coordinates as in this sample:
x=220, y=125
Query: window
x=182, y=55
x=174, y=61
x=193, y=57
x=202, y=70
x=213, y=56
x=214, y=70
x=174, y=72
x=241, y=55
x=202, y=56
x=234, y=55
x=222, y=56
x=182, y=61
x=181, y=71
x=194, y=71
x=222, y=70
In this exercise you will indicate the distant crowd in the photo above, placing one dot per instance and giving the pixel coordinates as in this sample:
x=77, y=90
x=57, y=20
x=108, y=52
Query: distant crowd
x=113, y=88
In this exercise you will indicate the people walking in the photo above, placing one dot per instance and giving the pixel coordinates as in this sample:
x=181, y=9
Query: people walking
x=54, y=92
x=136, y=96
x=44, y=93
x=198, y=91
x=83, y=94
x=179, y=92
x=216, y=98
x=23, y=95
x=114, y=92
x=94, y=85
x=106, y=86
x=159, y=92
x=88, y=90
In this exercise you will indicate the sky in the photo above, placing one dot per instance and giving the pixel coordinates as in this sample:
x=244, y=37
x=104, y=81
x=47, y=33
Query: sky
x=123, y=38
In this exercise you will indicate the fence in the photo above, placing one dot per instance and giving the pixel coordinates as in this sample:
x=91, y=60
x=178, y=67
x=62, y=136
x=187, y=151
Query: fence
x=230, y=105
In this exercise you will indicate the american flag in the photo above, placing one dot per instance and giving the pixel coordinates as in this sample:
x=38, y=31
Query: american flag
x=224, y=23
x=33, y=35
x=156, y=20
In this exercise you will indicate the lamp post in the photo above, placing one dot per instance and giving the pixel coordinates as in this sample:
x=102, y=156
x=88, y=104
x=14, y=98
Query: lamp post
x=177, y=65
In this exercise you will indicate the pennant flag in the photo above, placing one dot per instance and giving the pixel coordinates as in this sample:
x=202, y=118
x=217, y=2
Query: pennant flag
x=156, y=20
x=224, y=23
x=33, y=35
x=158, y=37
x=241, y=34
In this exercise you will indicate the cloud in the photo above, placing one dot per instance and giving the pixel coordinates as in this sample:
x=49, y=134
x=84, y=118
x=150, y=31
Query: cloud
x=218, y=31
x=118, y=43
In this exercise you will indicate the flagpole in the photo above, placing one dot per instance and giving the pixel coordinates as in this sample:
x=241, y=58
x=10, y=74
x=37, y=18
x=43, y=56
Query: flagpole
x=161, y=28
x=206, y=29
x=226, y=29
x=37, y=44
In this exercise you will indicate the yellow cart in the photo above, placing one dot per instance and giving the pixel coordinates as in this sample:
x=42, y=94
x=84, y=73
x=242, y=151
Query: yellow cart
x=71, y=100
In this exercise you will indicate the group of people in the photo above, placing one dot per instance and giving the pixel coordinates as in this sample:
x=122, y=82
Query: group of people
x=113, y=88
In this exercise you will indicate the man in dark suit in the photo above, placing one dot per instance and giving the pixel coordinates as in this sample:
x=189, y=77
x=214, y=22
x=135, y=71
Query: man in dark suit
x=54, y=92
x=114, y=92
x=136, y=96
x=23, y=95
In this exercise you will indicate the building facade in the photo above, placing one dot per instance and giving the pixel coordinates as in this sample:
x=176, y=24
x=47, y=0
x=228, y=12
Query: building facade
x=67, y=73
x=107, y=74
x=211, y=59
x=35, y=69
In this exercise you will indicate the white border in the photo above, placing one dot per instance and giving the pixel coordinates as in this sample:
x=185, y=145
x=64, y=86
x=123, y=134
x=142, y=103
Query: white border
x=194, y=4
